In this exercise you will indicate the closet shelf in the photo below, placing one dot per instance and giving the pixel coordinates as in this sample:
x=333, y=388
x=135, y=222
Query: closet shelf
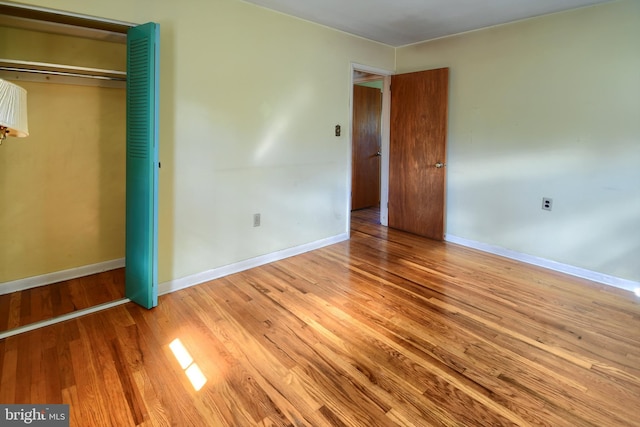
x=11, y=69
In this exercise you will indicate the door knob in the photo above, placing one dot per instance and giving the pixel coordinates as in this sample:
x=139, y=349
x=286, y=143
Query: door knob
x=378, y=153
x=439, y=165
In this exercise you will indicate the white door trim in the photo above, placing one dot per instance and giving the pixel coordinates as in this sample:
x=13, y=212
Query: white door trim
x=384, y=135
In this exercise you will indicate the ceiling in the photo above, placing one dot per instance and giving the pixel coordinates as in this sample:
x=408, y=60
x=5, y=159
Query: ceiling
x=402, y=22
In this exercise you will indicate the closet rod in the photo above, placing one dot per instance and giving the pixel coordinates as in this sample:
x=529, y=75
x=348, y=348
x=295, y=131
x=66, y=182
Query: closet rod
x=61, y=70
x=60, y=73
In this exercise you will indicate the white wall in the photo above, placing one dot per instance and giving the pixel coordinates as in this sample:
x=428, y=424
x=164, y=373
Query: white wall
x=249, y=99
x=546, y=107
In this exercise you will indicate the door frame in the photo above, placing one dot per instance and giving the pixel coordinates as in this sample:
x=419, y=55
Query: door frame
x=385, y=137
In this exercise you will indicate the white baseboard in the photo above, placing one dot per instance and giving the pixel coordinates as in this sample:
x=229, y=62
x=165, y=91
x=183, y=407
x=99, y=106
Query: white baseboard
x=616, y=282
x=59, y=276
x=205, y=276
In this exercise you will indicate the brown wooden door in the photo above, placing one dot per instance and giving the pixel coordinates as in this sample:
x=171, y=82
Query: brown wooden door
x=365, y=163
x=418, y=143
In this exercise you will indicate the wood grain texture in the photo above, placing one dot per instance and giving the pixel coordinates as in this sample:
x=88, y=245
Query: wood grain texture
x=419, y=111
x=386, y=329
x=46, y=302
x=365, y=162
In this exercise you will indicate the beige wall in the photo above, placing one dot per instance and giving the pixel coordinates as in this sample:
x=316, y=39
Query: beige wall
x=62, y=188
x=62, y=191
x=546, y=107
x=232, y=146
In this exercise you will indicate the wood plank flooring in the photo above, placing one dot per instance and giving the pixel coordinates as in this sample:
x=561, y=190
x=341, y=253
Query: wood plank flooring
x=387, y=329
x=46, y=302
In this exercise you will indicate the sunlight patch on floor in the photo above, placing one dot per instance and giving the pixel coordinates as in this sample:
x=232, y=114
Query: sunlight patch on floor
x=191, y=369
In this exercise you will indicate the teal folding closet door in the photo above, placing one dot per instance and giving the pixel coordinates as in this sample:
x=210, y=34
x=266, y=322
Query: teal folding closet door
x=141, y=251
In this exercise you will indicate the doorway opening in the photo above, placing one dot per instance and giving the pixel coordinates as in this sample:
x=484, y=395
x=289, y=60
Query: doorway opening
x=370, y=111
x=413, y=157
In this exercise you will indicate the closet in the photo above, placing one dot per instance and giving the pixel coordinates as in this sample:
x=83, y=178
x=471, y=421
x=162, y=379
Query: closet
x=62, y=189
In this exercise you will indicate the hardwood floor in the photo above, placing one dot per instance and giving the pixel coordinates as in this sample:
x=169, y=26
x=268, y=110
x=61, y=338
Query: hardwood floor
x=46, y=302
x=385, y=329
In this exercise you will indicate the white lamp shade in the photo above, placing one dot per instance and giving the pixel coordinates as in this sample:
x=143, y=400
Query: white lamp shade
x=13, y=109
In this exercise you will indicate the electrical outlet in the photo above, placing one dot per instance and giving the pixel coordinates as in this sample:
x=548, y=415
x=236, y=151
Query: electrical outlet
x=256, y=220
x=547, y=203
